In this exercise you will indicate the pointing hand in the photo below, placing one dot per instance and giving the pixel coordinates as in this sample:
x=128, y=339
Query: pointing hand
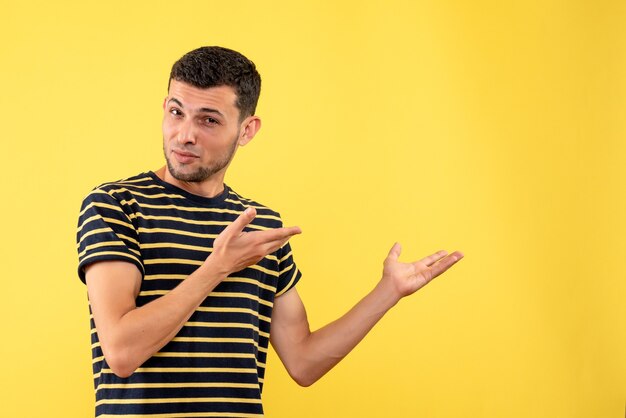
x=234, y=250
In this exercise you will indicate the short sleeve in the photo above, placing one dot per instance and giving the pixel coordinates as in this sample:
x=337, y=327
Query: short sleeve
x=289, y=274
x=105, y=232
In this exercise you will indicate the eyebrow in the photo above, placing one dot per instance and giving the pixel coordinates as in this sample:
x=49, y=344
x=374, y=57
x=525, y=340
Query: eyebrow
x=201, y=110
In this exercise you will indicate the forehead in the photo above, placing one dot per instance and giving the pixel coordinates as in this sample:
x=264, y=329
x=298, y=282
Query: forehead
x=193, y=99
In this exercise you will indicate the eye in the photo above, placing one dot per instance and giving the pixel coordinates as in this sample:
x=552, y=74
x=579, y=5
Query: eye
x=211, y=121
x=175, y=112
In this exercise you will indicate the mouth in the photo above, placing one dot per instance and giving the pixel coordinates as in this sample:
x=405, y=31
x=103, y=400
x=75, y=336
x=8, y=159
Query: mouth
x=184, y=157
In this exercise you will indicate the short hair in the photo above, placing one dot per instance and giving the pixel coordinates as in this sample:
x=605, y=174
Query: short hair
x=214, y=66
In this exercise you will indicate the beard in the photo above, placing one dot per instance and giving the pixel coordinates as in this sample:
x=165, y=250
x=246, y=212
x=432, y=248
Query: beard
x=202, y=173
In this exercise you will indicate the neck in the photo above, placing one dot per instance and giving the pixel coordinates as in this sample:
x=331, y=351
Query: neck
x=208, y=188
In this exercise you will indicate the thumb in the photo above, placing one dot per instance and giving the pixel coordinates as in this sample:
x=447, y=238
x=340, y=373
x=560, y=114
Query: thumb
x=394, y=253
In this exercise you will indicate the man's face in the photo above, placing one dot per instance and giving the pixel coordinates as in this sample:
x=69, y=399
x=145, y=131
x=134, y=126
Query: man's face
x=200, y=131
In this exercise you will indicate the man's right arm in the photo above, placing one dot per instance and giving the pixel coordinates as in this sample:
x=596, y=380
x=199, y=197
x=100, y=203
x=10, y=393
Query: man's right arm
x=130, y=335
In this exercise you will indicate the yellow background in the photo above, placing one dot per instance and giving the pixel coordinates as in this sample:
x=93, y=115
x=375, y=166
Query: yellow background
x=496, y=128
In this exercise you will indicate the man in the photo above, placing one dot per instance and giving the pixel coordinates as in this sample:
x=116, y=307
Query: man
x=184, y=275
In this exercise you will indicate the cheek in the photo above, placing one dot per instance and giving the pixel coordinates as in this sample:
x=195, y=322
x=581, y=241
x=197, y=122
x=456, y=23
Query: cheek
x=168, y=129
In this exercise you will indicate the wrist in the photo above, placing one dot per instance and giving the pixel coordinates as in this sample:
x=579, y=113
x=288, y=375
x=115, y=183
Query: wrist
x=213, y=270
x=386, y=294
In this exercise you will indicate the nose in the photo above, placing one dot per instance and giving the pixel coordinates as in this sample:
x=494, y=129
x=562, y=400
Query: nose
x=187, y=133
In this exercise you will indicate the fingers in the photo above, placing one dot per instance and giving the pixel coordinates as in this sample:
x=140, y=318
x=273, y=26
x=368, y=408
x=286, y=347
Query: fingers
x=395, y=251
x=433, y=257
x=237, y=226
x=247, y=216
x=272, y=246
x=264, y=243
x=445, y=263
x=278, y=234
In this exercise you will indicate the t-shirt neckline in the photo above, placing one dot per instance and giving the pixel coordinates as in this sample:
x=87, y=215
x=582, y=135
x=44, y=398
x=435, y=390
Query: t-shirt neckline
x=204, y=201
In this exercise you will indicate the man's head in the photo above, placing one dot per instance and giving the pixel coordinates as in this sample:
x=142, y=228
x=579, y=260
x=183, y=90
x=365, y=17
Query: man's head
x=208, y=113
x=214, y=66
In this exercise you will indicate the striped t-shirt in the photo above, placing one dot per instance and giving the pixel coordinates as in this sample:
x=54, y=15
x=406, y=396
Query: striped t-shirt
x=214, y=367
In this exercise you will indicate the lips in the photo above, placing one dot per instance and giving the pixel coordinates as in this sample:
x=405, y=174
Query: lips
x=184, y=157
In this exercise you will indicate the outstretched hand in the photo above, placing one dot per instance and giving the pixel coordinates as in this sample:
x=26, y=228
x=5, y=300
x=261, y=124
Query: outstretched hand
x=234, y=249
x=407, y=278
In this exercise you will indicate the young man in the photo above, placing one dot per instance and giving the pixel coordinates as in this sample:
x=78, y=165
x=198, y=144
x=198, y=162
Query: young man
x=184, y=275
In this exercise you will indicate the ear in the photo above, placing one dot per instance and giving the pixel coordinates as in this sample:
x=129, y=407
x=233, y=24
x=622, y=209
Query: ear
x=164, y=102
x=249, y=127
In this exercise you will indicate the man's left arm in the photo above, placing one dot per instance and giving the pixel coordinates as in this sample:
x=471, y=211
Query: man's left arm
x=307, y=355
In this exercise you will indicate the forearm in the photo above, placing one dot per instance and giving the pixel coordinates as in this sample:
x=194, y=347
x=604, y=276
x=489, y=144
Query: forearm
x=309, y=355
x=321, y=350
x=326, y=347
x=130, y=340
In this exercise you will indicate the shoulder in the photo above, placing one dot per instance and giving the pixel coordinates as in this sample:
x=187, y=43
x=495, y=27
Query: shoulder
x=124, y=190
x=130, y=185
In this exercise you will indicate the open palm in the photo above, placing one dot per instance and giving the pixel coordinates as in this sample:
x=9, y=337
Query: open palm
x=407, y=278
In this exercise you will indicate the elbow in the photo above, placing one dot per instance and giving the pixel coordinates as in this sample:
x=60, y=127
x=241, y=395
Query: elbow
x=120, y=362
x=121, y=371
x=305, y=383
x=303, y=377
